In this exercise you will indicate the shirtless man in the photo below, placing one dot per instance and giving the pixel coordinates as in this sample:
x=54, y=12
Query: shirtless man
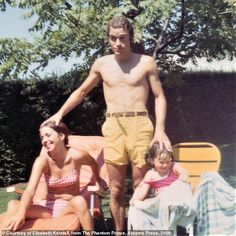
x=127, y=78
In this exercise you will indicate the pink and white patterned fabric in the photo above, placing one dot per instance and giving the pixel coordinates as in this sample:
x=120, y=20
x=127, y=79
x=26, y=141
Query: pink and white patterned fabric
x=56, y=206
x=68, y=181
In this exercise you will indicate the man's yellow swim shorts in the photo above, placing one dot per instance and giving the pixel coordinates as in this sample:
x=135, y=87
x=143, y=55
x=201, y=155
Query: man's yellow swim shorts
x=127, y=137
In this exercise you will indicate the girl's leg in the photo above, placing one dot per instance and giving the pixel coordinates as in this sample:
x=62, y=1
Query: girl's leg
x=78, y=205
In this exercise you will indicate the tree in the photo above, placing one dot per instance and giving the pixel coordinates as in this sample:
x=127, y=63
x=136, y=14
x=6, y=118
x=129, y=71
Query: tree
x=173, y=32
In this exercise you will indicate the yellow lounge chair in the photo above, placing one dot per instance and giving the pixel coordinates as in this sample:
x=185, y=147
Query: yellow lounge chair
x=197, y=157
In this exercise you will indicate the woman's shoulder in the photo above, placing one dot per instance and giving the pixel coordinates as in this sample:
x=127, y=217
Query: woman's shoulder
x=76, y=154
x=41, y=163
x=41, y=159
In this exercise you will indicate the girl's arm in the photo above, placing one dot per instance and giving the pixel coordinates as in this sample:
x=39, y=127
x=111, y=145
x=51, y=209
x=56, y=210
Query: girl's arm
x=181, y=172
x=18, y=219
x=142, y=190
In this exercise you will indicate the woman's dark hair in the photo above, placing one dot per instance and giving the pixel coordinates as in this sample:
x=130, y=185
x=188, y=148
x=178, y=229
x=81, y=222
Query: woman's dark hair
x=60, y=129
x=121, y=22
x=154, y=151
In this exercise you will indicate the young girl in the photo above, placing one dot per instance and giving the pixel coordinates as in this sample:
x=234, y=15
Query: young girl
x=163, y=173
x=58, y=168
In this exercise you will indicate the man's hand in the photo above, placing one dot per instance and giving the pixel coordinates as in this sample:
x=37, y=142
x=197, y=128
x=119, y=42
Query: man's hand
x=56, y=118
x=163, y=140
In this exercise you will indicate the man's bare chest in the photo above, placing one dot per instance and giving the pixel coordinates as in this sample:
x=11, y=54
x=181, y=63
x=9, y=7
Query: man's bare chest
x=117, y=76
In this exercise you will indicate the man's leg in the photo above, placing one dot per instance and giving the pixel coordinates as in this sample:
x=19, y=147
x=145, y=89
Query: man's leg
x=138, y=174
x=116, y=174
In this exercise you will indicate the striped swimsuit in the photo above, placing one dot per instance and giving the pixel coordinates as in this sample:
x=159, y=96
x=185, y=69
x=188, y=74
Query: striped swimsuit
x=57, y=205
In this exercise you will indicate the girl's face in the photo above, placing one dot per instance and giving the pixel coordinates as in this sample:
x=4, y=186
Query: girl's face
x=162, y=165
x=50, y=138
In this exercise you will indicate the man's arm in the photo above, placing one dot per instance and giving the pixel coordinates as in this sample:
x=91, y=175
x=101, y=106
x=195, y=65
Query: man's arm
x=78, y=95
x=160, y=106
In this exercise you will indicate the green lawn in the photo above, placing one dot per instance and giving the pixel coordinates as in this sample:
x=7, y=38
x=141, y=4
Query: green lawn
x=6, y=197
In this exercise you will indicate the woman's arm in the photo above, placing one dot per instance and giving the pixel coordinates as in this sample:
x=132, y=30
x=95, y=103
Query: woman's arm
x=83, y=158
x=18, y=219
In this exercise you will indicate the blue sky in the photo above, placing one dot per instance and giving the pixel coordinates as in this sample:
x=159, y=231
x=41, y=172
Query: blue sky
x=12, y=24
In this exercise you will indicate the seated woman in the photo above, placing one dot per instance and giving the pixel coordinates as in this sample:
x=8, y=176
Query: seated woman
x=59, y=169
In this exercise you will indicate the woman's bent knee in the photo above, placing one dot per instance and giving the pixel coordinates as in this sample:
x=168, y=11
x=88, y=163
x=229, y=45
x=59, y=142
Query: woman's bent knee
x=79, y=202
x=12, y=205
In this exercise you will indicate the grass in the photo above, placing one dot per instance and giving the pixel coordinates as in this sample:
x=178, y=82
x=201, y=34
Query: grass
x=5, y=197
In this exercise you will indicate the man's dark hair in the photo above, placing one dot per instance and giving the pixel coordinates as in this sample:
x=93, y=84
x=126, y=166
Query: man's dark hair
x=121, y=22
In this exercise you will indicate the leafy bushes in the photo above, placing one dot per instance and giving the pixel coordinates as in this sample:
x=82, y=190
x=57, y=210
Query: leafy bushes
x=10, y=168
x=24, y=105
x=201, y=107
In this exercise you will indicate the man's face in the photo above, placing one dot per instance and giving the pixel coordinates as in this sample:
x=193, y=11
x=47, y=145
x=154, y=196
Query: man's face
x=119, y=40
